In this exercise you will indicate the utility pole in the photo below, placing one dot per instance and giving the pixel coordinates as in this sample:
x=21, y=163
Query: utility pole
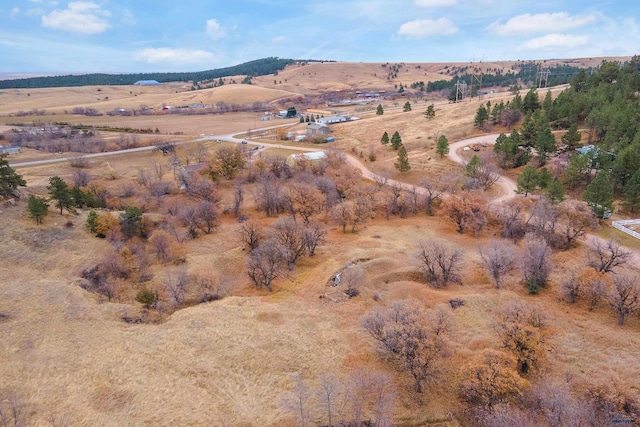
x=543, y=78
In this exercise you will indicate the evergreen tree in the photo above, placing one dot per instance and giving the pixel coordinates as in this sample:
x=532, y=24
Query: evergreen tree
x=403, y=160
x=572, y=137
x=545, y=142
x=473, y=167
x=9, y=179
x=547, y=103
x=443, y=146
x=599, y=194
x=379, y=110
x=291, y=112
x=38, y=208
x=406, y=107
x=577, y=169
x=92, y=221
x=555, y=191
x=631, y=193
x=59, y=191
x=385, y=138
x=544, y=178
x=531, y=101
x=527, y=180
x=430, y=113
x=529, y=129
x=131, y=222
x=396, y=141
x=482, y=116
x=516, y=103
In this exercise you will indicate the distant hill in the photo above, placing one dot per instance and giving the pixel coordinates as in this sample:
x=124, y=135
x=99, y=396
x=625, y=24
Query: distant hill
x=257, y=67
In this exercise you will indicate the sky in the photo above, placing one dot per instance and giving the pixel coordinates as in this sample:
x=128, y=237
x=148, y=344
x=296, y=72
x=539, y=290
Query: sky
x=131, y=36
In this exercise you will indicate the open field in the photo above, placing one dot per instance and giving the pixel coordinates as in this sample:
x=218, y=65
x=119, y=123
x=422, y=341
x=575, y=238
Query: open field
x=68, y=354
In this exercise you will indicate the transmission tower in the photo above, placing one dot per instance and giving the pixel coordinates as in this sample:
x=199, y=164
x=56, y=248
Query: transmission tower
x=543, y=78
x=461, y=90
x=476, y=77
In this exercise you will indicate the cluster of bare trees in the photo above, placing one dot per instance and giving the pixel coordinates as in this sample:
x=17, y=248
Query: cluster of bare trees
x=359, y=397
x=412, y=337
x=274, y=251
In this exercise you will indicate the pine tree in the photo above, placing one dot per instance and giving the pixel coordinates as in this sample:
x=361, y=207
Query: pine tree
x=555, y=191
x=527, y=180
x=38, y=208
x=443, y=146
x=9, y=179
x=430, y=113
x=473, y=167
x=59, y=191
x=385, y=138
x=379, y=110
x=396, y=141
x=631, y=192
x=403, y=160
x=572, y=137
x=482, y=116
x=599, y=194
x=545, y=142
x=406, y=107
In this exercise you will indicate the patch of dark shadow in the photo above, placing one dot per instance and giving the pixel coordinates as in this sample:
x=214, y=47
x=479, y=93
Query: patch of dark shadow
x=455, y=303
x=400, y=276
x=38, y=238
x=4, y=317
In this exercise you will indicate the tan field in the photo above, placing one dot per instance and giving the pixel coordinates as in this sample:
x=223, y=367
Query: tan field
x=69, y=356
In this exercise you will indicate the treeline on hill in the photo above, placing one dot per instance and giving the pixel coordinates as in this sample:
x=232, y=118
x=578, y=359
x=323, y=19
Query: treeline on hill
x=527, y=75
x=605, y=107
x=258, y=67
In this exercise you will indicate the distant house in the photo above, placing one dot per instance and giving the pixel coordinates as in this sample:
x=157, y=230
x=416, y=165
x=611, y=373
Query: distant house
x=146, y=83
x=8, y=150
x=331, y=119
x=317, y=129
x=313, y=157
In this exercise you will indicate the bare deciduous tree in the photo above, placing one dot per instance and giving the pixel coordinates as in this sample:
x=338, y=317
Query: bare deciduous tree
x=402, y=333
x=570, y=287
x=266, y=262
x=304, y=200
x=161, y=242
x=509, y=213
x=353, y=278
x=435, y=187
x=521, y=330
x=12, y=411
x=499, y=259
x=624, y=295
x=299, y=401
x=536, y=263
x=313, y=235
x=207, y=216
x=251, y=234
x=328, y=391
x=439, y=262
x=461, y=210
x=204, y=189
x=289, y=234
x=575, y=218
x=606, y=256
x=81, y=178
x=176, y=285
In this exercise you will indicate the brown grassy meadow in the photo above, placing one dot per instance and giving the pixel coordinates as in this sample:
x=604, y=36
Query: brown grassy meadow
x=68, y=354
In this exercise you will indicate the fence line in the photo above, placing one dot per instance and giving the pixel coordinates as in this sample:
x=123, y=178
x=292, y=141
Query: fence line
x=621, y=225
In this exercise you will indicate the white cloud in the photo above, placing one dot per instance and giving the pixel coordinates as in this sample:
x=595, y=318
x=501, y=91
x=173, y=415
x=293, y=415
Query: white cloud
x=435, y=3
x=215, y=31
x=15, y=11
x=541, y=23
x=564, y=41
x=278, y=39
x=128, y=17
x=79, y=17
x=175, y=56
x=421, y=28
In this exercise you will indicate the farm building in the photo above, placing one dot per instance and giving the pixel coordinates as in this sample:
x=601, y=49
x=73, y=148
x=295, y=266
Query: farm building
x=313, y=157
x=317, y=129
x=146, y=83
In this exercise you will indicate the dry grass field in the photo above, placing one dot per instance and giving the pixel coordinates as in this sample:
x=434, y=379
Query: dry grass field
x=68, y=355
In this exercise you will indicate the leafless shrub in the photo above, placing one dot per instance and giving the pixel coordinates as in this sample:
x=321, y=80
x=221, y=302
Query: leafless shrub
x=13, y=411
x=509, y=213
x=594, y=291
x=353, y=278
x=288, y=234
x=79, y=162
x=439, y=262
x=251, y=234
x=606, y=256
x=570, y=287
x=209, y=286
x=128, y=189
x=161, y=242
x=161, y=188
x=499, y=259
x=81, y=178
x=624, y=295
x=144, y=177
x=402, y=334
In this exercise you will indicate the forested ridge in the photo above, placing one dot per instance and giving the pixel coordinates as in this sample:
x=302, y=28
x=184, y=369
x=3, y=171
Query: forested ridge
x=257, y=67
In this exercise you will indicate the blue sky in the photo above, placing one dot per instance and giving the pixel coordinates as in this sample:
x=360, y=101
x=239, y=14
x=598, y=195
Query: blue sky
x=53, y=36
